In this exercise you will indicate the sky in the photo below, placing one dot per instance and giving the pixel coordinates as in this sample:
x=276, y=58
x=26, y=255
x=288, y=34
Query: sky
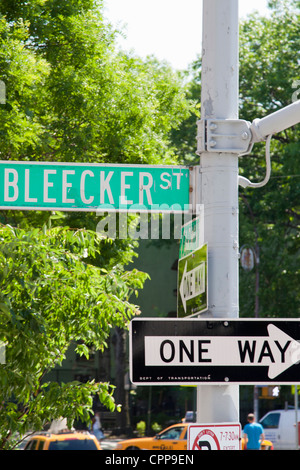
x=169, y=29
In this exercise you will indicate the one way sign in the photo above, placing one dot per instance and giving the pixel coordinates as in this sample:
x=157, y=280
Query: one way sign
x=196, y=351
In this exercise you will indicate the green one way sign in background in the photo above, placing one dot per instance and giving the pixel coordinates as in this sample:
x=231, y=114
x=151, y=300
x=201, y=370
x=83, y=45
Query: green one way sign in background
x=92, y=187
x=192, y=283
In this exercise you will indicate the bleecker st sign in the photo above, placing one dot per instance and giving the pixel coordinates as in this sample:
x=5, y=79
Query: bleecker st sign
x=214, y=351
x=91, y=187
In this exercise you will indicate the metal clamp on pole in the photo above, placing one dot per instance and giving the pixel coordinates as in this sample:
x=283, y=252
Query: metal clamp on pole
x=224, y=136
x=238, y=136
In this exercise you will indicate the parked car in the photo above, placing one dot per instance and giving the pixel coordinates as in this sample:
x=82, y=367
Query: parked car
x=172, y=438
x=76, y=440
x=280, y=427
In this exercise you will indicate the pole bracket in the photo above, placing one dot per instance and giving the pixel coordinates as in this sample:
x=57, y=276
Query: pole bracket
x=224, y=136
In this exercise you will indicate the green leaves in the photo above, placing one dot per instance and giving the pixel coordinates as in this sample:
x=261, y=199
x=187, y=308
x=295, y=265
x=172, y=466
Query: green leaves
x=71, y=96
x=51, y=297
x=269, y=66
x=23, y=74
x=269, y=80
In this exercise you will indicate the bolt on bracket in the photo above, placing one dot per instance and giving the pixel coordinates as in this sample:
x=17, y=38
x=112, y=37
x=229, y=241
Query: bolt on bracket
x=224, y=135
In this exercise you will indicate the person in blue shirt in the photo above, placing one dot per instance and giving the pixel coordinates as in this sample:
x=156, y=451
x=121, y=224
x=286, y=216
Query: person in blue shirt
x=253, y=433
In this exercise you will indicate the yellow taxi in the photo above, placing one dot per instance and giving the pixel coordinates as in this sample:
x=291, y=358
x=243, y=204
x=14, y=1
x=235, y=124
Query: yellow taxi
x=63, y=441
x=172, y=438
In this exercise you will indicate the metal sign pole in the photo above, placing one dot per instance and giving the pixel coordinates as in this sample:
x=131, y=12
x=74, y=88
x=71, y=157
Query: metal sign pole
x=219, y=101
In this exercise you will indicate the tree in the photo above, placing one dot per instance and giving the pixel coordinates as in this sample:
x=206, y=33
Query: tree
x=23, y=74
x=52, y=296
x=71, y=96
x=269, y=66
x=91, y=103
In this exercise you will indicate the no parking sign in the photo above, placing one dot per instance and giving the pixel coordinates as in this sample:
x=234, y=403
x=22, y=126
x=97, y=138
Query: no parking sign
x=223, y=436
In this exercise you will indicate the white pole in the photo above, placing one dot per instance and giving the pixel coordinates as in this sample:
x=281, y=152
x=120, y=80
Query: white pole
x=219, y=100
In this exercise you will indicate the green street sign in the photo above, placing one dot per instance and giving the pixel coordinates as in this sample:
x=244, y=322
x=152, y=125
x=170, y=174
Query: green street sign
x=190, y=237
x=93, y=187
x=192, y=283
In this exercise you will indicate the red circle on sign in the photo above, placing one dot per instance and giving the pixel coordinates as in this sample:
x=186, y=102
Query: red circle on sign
x=204, y=432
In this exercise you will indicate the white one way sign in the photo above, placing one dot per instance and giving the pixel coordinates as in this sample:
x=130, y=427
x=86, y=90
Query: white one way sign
x=214, y=351
x=277, y=351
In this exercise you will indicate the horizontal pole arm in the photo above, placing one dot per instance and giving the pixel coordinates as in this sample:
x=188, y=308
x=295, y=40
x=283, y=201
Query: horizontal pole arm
x=275, y=122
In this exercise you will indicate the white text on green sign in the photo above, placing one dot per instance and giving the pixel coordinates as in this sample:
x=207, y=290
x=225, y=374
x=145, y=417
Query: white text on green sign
x=91, y=187
x=191, y=236
x=192, y=283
